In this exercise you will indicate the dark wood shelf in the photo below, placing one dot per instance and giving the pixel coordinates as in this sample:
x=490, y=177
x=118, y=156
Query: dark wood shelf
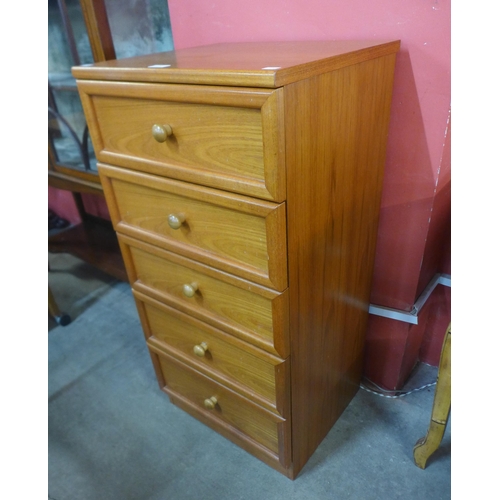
x=95, y=242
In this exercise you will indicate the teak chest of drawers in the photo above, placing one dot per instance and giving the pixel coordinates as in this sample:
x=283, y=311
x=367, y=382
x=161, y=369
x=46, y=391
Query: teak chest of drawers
x=244, y=183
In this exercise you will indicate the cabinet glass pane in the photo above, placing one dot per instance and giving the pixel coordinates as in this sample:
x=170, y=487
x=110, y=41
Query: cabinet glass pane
x=139, y=26
x=68, y=46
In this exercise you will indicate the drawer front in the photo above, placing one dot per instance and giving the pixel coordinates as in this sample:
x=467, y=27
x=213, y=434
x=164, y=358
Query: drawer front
x=228, y=407
x=237, y=234
x=250, y=312
x=244, y=368
x=219, y=138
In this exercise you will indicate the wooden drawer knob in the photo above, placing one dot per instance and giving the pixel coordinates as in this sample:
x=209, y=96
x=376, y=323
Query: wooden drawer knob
x=175, y=221
x=200, y=349
x=189, y=290
x=210, y=403
x=161, y=132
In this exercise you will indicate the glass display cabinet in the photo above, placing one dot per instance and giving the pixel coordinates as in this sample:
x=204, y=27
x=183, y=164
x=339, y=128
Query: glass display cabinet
x=83, y=32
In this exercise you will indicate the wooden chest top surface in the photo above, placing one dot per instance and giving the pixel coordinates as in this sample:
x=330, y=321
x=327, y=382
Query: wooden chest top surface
x=258, y=64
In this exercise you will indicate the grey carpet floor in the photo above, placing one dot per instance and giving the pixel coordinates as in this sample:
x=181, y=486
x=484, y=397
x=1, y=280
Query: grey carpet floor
x=113, y=435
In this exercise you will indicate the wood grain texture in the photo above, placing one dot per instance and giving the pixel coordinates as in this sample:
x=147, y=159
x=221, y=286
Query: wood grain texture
x=244, y=309
x=234, y=363
x=236, y=411
x=291, y=278
x=216, y=138
x=241, y=64
x=232, y=232
x=221, y=138
x=239, y=97
x=278, y=461
x=334, y=181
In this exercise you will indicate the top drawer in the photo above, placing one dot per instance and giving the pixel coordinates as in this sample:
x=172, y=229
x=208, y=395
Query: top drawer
x=225, y=138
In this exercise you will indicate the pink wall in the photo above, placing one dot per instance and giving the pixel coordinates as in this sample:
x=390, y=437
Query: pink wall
x=63, y=204
x=415, y=215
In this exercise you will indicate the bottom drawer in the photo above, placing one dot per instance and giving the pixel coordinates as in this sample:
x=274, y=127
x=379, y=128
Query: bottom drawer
x=223, y=406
